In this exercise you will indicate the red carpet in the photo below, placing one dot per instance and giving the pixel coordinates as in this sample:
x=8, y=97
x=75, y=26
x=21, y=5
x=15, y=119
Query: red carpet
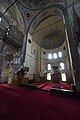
x=26, y=104
x=48, y=86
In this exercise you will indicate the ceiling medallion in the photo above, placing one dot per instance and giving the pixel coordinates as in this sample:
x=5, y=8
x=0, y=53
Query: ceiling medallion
x=29, y=15
x=33, y=4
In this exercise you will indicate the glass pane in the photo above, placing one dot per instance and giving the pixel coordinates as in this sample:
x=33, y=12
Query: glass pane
x=55, y=55
x=49, y=66
x=48, y=76
x=63, y=76
x=60, y=54
x=49, y=56
x=62, y=66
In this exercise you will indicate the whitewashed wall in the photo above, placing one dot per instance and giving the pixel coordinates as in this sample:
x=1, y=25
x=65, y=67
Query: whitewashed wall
x=31, y=59
x=37, y=65
x=55, y=62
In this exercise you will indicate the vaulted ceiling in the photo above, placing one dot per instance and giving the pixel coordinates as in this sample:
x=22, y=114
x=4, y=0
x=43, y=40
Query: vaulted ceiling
x=12, y=15
x=37, y=4
x=47, y=29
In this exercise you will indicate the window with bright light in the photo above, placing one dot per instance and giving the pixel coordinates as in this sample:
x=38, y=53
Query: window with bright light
x=49, y=67
x=63, y=76
x=55, y=55
x=60, y=54
x=49, y=56
x=48, y=76
x=62, y=66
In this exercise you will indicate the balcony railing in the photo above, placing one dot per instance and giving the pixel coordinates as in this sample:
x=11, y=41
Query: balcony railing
x=15, y=35
x=11, y=34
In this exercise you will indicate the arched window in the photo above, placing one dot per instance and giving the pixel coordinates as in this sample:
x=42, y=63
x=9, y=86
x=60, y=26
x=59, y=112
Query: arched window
x=55, y=55
x=49, y=56
x=48, y=76
x=49, y=67
x=60, y=54
x=62, y=66
x=63, y=76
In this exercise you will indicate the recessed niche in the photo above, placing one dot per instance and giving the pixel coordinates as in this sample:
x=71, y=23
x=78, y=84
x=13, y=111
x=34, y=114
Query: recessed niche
x=34, y=51
x=29, y=41
x=63, y=48
x=44, y=53
x=28, y=15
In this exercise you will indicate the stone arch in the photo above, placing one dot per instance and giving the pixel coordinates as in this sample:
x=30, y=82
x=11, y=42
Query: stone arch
x=57, y=5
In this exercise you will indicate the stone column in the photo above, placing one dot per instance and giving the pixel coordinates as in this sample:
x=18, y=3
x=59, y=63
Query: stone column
x=1, y=57
x=72, y=48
